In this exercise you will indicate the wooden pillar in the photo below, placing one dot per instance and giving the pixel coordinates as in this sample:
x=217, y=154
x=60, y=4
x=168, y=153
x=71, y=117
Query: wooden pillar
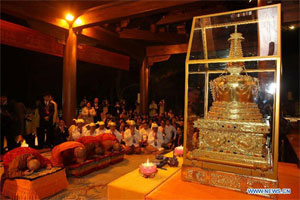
x=69, y=78
x=144, y=86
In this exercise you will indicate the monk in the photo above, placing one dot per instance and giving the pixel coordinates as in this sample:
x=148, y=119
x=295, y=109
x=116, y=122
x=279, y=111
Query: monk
x=23, y=161
x=68, y=153
x=109, y=142
x=92, y=145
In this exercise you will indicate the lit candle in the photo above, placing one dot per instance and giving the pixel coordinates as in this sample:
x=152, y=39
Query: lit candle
x=148, y=169
x=179, y=150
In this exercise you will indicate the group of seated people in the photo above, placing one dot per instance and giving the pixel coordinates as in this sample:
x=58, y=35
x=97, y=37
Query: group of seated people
x=82, y=144
x=133, y=138
x=82, y=141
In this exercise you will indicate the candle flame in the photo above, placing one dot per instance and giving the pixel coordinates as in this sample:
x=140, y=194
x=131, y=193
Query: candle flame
x=148, y=164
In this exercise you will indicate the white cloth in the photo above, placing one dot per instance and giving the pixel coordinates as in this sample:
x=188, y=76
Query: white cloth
x=87, y=132
x=115, y=133
x=132, y=139
x=167, y=133
x=173, y=130
x=76, y=133
x=155, y=142
x=99, y=131
x=144, y=133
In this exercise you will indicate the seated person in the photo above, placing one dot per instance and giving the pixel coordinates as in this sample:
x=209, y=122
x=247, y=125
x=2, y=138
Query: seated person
x=72, y=126
x=92, y=145
x=23, y=161
x=179, y=138
x=155, y=140
x=101, y=128
x=132, y=139
x=109, y=142
x=61, y=132
x=78, y=131
x=167, y=134
x=68, y=153
x=173, y=130
x=90, y=129
x=114, y=131
x=144, y=132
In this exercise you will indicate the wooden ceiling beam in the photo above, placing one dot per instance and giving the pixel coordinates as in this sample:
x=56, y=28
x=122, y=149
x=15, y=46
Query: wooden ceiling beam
x=188, y=15
x=34, y=10
x=168, y=38
x=112, y=41
x=49, y=29
x=290, y=12
x=166, y=50
x=47, y=21
x=125, y=9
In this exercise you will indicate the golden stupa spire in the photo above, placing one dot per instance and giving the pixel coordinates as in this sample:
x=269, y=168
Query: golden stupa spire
x=236, y=51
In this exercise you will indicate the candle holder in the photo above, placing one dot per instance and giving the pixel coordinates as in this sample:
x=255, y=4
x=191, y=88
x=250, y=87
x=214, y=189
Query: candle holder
x=148, y=169
x=173, y=162
x=179, y=151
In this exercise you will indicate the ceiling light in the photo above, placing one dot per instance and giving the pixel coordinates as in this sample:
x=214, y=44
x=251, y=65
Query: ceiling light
x=69, y=17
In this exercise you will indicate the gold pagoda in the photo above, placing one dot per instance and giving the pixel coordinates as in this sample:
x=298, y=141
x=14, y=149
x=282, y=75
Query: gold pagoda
x=235, y=145
x=234, y=129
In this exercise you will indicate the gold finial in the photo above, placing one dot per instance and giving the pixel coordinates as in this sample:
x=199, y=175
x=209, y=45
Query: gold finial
x=235, y=52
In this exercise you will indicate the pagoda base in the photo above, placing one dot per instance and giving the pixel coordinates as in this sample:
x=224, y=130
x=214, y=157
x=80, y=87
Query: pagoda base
x=227, y=180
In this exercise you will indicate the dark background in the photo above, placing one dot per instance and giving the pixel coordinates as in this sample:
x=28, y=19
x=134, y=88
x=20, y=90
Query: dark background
x=26, y=75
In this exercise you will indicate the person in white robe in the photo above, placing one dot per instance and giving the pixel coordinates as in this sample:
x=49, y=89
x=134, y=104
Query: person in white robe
x=88, y=113
x=101, y=128
x=90, y=129
x=132, y=139
x=167, y=134
x=78, y=131
x=155, y=140
x=114, y=131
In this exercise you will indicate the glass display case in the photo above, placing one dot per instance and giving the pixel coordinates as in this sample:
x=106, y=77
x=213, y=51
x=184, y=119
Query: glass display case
x=232, y=99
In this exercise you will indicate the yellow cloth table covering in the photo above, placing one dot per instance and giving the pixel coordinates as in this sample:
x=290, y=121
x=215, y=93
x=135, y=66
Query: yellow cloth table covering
x=134, y=186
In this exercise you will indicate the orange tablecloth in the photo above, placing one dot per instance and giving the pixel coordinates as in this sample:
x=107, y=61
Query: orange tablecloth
x=175, y=188
x=38, y=188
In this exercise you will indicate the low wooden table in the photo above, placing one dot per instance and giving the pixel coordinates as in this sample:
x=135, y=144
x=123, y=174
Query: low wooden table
x=174, y=188
x=134, y=186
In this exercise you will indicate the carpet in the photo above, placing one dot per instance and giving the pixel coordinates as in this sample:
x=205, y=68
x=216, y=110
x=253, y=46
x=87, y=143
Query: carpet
x=93, y=186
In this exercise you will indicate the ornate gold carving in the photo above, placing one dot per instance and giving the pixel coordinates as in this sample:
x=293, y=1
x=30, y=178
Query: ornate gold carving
x=224, y=141
x=235, y=87
x=234, y=130
x=227, y=180
x=255, y=161
x=232, y=126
